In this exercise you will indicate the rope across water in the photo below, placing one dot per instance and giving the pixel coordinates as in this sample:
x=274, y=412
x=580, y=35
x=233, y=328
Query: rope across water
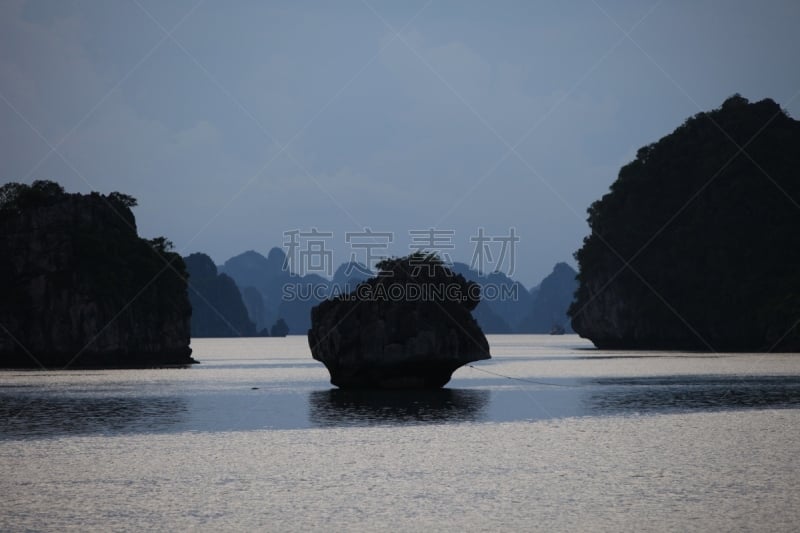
x=521, y=379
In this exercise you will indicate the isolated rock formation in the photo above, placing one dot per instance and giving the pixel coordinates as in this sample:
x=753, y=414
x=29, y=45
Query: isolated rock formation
x=408, y=327
x=79, y=288
x=697, y=246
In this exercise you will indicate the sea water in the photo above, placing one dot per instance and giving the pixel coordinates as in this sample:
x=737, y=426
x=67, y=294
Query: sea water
x=548, y=434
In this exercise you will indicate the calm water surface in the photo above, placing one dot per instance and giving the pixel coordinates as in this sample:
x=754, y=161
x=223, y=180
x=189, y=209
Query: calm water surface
x=550, y=433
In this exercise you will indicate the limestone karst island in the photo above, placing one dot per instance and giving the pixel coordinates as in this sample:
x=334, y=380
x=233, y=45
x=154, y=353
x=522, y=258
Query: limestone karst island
x=415, y=266
x=408, y=327
x=677, y=258
x=697, y=245
x=80, y=288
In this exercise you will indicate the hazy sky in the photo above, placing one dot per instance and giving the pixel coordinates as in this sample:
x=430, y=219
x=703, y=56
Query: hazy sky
x=233, y=122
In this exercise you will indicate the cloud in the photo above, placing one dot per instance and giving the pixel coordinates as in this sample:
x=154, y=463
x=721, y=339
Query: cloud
x=396, y=140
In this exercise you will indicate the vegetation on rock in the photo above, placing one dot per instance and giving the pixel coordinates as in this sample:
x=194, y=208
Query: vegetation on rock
x=79, y=287
x=408, y=327
x=696, y=246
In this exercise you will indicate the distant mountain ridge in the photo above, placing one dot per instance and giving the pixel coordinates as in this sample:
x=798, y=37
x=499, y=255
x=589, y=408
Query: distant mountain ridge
x=271, y=292
x=551, y=301
x=217, y=306
x=285, y=295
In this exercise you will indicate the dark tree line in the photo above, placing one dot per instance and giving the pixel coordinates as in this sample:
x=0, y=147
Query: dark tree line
x=709, y=220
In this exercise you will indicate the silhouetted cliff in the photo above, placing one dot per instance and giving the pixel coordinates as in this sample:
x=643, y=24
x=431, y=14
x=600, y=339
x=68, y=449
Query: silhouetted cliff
x=504, y=303
x=551, y=301
x=286, y=295
x=254, y=303
x=79, y=288
x=265, y=274
x=697, y=246
x=217, y=306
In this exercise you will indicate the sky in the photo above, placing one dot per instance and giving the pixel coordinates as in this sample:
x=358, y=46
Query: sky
x=248, y=124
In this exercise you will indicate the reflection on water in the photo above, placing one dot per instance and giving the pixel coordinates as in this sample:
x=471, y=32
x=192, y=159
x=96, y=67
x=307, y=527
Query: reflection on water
x=101, y=410
x=54, y=416
x=270, y=384
x=337, y=407
x=688, y=393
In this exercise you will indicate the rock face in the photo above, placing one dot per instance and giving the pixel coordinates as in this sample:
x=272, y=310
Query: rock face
x=697, y=246
x=79, y=288
x=550, y=303
x=408, y=327
x=256, y=310
x=217, y=306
